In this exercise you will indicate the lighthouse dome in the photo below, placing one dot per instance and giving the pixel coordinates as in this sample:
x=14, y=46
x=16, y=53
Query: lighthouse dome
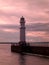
x=22, y=18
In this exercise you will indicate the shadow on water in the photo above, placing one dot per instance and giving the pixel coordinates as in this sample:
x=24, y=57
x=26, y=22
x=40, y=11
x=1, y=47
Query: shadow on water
x=22, y=59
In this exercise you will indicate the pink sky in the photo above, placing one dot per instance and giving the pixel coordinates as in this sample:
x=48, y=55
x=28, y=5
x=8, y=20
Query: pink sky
x=36, y=14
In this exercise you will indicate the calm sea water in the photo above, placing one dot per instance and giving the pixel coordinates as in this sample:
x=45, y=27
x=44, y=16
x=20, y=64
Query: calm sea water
x=8, y=58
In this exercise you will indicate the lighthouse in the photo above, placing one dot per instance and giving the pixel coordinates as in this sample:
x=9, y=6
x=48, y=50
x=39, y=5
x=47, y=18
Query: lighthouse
x=22, y=30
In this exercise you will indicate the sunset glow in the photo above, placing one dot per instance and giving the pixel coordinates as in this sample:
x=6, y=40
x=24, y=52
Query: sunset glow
x=36, y=14
x=10, y=30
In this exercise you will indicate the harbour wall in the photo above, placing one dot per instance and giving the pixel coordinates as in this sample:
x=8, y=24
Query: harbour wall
x=31, y=49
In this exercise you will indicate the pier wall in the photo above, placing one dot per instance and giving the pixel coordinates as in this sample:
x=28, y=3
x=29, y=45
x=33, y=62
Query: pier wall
x=40, y=50
x=31, y=49
x=34, y=48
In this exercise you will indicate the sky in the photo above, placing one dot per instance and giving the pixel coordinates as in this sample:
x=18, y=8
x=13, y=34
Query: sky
x=36, y=14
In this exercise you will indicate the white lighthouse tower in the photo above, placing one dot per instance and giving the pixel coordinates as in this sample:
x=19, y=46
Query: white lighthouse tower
x=22, y=30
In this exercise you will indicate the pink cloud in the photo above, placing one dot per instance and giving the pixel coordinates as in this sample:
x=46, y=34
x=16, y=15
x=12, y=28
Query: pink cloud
x=34, y=11
x=37, y=36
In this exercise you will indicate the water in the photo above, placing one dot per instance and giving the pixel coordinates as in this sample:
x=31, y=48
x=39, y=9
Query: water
x=8, y=58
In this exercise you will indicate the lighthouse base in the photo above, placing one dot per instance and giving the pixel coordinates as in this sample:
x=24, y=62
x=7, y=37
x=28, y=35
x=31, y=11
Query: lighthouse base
x=22, y=47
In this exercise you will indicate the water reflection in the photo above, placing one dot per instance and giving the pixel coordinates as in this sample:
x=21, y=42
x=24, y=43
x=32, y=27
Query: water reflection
x=22, y=59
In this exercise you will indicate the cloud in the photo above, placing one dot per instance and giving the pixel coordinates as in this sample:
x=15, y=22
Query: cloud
x=36, y=13
x=43, y=4
x=9, y=27
x=9, y=36
x=14, y=9
x=29, y=27
x=38, y=36
x=38, y=27
x=10, y=17
x=37, y=39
